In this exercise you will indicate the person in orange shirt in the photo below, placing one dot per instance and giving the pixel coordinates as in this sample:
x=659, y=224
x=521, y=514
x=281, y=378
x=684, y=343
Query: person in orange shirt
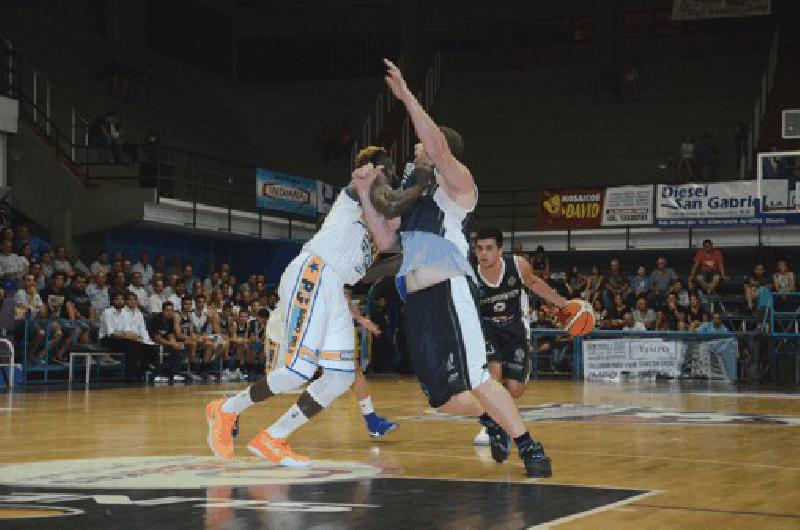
x=708, y=268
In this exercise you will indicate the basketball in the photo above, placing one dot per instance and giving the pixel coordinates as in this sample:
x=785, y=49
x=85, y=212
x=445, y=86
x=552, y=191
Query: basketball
x=579, y=318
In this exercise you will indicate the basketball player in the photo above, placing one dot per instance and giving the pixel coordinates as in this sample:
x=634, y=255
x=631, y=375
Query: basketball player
x=318, y=326
x=504, y=307
x=443, y=327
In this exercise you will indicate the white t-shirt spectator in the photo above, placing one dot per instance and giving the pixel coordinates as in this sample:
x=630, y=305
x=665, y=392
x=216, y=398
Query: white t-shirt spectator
x=62, y=265
x=114, y=320
x=137, y=325
x=146, y=270
x=13, y=265
x=99, y=297
x=97, y=267
x=156, y=302
x=26, y=302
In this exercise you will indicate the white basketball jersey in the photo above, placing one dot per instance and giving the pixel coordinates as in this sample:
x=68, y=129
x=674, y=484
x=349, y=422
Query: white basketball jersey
x=343, y=241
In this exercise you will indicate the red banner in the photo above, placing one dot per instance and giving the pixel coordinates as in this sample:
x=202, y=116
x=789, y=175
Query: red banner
x=570, y=208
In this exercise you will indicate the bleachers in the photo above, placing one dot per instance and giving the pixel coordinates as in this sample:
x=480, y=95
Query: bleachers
x=539, y=125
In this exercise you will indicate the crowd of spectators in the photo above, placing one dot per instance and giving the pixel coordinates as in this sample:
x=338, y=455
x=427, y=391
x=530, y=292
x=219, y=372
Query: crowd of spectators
x=137, y=307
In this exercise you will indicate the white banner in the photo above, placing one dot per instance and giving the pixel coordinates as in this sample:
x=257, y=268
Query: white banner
x=718, y=203
x=628, y=205
x=609, y=358
x=700, y=9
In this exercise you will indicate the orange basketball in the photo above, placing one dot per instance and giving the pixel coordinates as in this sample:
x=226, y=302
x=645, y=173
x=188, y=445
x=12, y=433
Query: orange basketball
x=579, y=318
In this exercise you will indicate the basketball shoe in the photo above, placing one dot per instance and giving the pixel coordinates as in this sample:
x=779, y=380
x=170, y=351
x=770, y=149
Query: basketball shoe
x=379, y=426
x=276, y=450
x=499, y=441
x=220, y=429
x=537, y=464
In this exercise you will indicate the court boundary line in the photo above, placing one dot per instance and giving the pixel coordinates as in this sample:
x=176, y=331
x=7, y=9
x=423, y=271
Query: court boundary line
x=718, y=510
x=594, y=511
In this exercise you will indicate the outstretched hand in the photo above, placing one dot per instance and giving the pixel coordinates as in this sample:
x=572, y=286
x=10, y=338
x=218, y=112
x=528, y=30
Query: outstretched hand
x=394, y=79
x=364, y=176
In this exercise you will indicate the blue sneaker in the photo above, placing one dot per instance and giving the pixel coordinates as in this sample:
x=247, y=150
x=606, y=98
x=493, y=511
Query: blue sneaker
x=379, y=426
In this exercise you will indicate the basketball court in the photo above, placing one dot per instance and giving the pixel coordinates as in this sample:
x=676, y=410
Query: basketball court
x=624, y=456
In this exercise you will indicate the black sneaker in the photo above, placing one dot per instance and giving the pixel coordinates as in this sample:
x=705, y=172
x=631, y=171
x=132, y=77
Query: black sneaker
x=537, y=464
x=499, y=441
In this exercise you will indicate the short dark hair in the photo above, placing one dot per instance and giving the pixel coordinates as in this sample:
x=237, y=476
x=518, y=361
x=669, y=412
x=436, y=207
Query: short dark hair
x=263, y=312
x=167, y=304
x=187, y=298
x=490, y=233
x=454, y=141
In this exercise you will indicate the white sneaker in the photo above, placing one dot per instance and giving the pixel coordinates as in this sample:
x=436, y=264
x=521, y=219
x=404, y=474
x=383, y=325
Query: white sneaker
x=160, y=380
x=238, y=375
x=177, y=378
x=482, y=438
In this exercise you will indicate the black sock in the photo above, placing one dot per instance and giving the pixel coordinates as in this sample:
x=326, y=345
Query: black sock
x=523, y=440
x=487, y=421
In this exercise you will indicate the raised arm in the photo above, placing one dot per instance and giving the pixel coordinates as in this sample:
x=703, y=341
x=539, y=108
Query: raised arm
x=392, y=203
x=384, y=231
x=537, y=285
x=457, y=180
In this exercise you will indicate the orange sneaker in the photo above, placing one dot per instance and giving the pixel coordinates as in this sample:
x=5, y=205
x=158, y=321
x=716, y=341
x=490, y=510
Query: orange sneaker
x=276, y=450
x=220, y=429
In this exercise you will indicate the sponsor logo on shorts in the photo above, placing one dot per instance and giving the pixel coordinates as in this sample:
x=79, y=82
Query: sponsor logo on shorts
x=620, y=414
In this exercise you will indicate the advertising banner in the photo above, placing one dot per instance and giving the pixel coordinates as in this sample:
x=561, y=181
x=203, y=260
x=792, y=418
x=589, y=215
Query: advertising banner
x=702, y=9
x=287, y=193
x=707, y=204
x=628, y=205
x=610, y=358
x=570, y=208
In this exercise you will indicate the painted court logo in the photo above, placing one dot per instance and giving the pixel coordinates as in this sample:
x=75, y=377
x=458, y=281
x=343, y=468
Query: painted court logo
x=613, y=414
x=174, y=472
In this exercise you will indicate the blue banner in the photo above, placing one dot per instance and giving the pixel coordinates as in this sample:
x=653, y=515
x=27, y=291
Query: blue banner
x=287, y=193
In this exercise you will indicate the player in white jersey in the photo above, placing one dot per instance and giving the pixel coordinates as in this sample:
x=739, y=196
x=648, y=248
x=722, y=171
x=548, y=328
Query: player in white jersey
x=317, y=329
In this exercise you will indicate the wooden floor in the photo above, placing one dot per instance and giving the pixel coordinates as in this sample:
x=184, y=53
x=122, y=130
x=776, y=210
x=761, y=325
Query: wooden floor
x=736, y=468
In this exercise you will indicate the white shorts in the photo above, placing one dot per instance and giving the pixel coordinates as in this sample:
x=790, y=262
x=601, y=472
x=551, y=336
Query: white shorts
x=318, y=324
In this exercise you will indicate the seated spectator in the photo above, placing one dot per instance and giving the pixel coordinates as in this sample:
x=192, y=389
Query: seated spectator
x=127, y=270
x=46, y=261
x=62, y=263
x=600, y=314
x=783, y=282
x=23, y=237
x=242, y=339
x=662, y=324
x=187, y=274
x=540, y=262
x=98, y=293
x=79, y=309
x=686, y=160
x=708, y=268
x=115, y=269
x=178, y=294
x=55, y=297
x=594, y=285
x=575, y=283
x=213, y=282
x=756, y=287
x=673, y=316
x=250, y=284
x=616, y=284
x=12, y=266
x=617, y=311
x=660, y=281
x=162, y=332
x=184, y=328
x=643, y=314
x=705, y=154
x=26, y=253
x=640, y=284
x=144, y=268
x=272, y=300
x=157, y=276
x=118, y=282
x=629, y=324
x=714, y=326
x=681, y=294
x=38, y=275
x=29, y=307
x=137, y=287
x=119, y=333
x=695, y=314
x=158, y=298
x=100, y=264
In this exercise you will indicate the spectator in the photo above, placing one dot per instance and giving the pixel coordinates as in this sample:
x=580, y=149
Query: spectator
x=178, y=295
x=188, y=278
x=162, y=331
x=26, y=253
x=695, y=314
x=600, y=314
x=617, y=312
x=79, y=308
x=715, y=326
x=169, y=286
x=594, y=284
x=272, y=300
x=616, y=284
x=55, y=297
x=708, y=268
x=640, y=284
x=47, y=265
x=629, y=324
x=686, y=160
x=100, y=264
x=673, y=316
x=575, y=283
x=756, y=287
x=12, y=266
x=250, y=284
x=231, y=290
x=643, y=314
x=783, y=282
x=116, y=269
x=157, y=276
x=107, y=132
x=681, y=294
x=61, y=262
x=98, y=293
x=705, y=153
x=144, y=268
x=197, y=287
x=38, y=275
x=23, y=236
x=662, y=324
x=118, y=333
x=137, y=287
x=127, y=270
x=118, y=283
x=29, y=307
x=540, y=262
x=213, y=282
x=7, y=234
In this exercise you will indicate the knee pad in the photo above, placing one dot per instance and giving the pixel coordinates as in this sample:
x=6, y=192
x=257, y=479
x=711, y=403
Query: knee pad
x=330, y=386
x=283, y=380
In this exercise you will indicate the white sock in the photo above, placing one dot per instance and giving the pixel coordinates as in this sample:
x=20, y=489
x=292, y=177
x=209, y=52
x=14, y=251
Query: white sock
x=366, y=405
x=288, y=423
x=238, y=403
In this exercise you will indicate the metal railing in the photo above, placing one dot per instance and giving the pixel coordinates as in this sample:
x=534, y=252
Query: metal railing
x=760, y=108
